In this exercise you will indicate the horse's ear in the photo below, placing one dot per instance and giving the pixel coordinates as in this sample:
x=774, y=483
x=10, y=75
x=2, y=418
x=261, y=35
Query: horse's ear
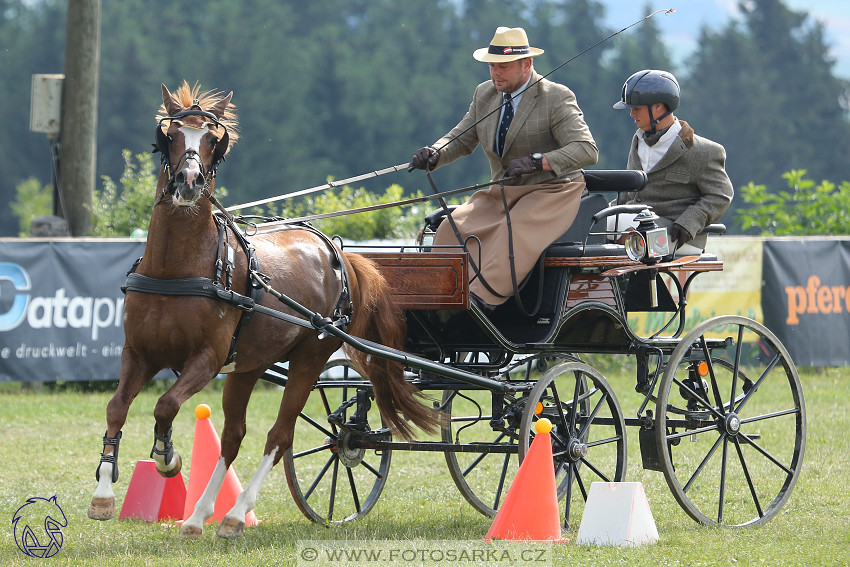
x=171, y=105
x=219, y=107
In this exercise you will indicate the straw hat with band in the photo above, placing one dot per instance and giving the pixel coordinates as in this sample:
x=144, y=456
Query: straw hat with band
x=508, y=44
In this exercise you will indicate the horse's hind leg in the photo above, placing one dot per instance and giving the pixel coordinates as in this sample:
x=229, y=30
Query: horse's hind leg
x=237, y=392
x=304, y=370
x=134, y=375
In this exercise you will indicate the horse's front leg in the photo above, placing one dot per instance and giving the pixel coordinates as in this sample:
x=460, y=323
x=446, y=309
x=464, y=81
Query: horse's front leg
x=134, y=375
x=191, y=381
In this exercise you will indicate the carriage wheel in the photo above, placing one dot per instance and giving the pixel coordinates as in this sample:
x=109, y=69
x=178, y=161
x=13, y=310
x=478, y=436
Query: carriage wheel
x=330, y=478
x=482, y=476
x=731, y=423
x=588, y=431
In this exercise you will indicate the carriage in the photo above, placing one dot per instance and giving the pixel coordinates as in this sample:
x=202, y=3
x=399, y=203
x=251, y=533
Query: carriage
x=722, y=414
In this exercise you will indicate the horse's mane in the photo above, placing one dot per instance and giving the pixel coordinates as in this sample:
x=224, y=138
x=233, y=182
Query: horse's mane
x=187, y=95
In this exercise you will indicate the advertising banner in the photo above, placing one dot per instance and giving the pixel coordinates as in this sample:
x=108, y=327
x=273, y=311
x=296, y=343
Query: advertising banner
x=806, y=298
x=61, y=308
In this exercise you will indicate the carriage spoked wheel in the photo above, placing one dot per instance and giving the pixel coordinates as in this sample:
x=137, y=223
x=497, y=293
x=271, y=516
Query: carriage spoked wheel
x=588, y=431
x=730, y=423
x=331, y=478
x=483, y=475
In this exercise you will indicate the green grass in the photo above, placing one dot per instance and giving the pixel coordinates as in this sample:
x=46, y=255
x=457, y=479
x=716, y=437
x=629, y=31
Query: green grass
x=51, y=442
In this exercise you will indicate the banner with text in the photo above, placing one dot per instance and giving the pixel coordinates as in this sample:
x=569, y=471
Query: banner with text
x=806, y=298
x=61, y=308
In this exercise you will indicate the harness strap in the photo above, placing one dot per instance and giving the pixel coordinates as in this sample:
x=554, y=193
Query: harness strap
x=205, y=287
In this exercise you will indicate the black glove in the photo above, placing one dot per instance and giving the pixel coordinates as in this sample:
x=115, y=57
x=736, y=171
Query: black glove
x=522, y=166
x=680, y=235
x=425, y=158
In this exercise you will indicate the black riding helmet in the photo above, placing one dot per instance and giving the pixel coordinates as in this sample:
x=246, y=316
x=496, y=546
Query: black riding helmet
x=648, y=87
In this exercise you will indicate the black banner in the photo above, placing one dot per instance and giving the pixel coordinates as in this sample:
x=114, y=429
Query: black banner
x=806, y=298
x=61, y=308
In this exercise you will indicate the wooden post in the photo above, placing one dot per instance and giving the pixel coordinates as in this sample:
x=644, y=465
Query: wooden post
x=78, y=136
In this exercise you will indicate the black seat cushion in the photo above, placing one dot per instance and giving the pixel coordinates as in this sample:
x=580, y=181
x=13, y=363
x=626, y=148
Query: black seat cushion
x=614, y=180
x=578, y=232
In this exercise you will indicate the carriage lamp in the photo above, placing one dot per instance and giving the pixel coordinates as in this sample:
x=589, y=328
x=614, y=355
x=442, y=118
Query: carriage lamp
x=649, y=242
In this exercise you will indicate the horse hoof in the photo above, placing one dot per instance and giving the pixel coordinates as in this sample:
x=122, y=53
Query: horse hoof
x=191, y=532
x=230, y=528
x=102, y=508
x=173, y=471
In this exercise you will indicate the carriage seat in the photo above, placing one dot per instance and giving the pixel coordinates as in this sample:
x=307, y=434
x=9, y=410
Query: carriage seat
x=596, y=180
x=614, y=180
x=434, y=218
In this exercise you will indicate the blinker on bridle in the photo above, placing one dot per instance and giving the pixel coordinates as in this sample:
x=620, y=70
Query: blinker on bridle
x=163, y=141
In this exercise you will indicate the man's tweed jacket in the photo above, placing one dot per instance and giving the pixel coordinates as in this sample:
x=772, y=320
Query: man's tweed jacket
x=548, y=120
x=542, y=205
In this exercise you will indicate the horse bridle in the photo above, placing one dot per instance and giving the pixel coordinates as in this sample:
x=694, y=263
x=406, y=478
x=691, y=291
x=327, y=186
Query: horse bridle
x=163, y=141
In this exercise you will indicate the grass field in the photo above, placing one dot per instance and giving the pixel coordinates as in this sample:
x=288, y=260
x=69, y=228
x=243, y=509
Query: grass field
x=51, y=442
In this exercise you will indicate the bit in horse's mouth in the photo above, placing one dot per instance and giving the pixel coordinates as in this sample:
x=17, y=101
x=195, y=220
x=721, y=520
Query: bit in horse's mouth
x=185, y=207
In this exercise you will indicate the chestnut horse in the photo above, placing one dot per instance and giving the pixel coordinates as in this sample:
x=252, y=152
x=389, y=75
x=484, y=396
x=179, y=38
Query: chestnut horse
x=168, y=324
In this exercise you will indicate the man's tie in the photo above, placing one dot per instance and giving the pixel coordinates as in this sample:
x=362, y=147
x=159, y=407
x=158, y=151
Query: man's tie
x=506, y=122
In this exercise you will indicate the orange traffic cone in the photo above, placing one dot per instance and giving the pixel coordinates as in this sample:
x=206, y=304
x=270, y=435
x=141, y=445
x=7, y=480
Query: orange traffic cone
x=206, y=451
x=530, y=510
x=152, y=498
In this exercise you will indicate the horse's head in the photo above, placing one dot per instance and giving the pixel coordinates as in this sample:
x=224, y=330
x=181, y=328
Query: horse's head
x=194, y=134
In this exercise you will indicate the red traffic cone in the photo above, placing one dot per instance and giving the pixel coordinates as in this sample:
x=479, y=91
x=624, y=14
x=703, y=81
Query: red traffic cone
x=206, y=451
x=152, y=498
x=530, y=510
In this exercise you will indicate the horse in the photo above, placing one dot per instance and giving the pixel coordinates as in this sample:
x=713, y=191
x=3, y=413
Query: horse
x=173, y=321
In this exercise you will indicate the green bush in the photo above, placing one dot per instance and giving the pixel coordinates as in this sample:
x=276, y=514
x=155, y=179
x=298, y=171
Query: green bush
x=121, y=211
x=33, y=200
x=807, y=209
x=387, y=223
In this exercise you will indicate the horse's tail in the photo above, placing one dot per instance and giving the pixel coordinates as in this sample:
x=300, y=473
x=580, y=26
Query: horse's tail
x=377, y=319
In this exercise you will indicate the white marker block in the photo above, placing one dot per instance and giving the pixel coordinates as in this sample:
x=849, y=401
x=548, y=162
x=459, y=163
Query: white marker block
x=618, y=514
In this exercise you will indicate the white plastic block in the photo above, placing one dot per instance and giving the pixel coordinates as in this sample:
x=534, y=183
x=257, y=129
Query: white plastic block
x=617, y=514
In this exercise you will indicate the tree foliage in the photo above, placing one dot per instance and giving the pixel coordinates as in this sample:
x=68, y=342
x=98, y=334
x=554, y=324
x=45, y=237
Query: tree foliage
x=124, y=208
x=33, y=200
x=763, y=87
x=341, y=87
x=807, y=209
